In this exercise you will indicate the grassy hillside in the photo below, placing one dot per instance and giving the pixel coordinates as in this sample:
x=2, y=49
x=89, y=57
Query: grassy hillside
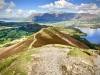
x=48, y=45
x=43, y=37
x=16, y=48
x=8, y=35
x=76, y=33
x=17, y=64
x=53, y=36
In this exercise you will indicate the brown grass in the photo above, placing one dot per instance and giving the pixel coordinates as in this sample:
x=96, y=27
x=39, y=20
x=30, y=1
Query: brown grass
x=14, y=49
x=40, y=41
x=43, y=40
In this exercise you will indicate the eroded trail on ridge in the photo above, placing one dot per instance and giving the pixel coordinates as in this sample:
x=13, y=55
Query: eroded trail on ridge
x=49, y=61
x=55, y=61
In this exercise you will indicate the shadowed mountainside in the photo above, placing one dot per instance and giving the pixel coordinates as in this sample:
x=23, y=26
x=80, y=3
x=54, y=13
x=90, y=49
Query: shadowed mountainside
x=55, y=17
x=32, y=27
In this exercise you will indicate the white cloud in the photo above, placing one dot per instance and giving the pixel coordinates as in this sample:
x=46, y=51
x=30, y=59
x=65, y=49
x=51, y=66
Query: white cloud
x=59, y=4
x=2, y=4
x=32, y=11
x=8, y=10
x=20, y=12
x=83, y=8
x=11, y=5
x=88, y=8
x=23, y=13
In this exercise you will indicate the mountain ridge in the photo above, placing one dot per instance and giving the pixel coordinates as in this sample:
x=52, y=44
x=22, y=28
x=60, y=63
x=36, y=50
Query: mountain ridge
x=43, y=37
x=53, y=36
x=59, y=16
x=49, y=51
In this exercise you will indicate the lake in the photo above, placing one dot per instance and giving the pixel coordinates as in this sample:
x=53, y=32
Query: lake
x=93, y=35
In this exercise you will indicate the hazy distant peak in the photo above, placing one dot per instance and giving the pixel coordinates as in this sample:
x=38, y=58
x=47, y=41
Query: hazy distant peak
x=53, y=16
x=54, y=12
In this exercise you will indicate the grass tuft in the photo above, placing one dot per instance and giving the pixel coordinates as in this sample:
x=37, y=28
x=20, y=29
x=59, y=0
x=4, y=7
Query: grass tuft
x=81, y=54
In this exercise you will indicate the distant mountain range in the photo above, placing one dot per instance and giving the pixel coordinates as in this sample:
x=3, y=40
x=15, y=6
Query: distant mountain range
x=59, y=16
x=52, y=17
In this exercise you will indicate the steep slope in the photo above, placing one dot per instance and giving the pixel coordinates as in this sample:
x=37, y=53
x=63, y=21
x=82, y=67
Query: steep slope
x=53, y=36
x=49, y=52
x=14, y=49
x=21, y=46
x=43, y=37
x=52, y=59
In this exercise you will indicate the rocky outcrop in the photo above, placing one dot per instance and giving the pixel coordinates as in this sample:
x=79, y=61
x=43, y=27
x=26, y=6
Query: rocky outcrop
x=55, y=61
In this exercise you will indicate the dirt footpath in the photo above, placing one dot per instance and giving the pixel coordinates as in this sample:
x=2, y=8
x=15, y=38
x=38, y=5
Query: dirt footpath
x=54, y=61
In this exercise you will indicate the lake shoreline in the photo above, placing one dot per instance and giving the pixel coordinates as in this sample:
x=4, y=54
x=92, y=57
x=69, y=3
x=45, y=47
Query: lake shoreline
x=92, y=35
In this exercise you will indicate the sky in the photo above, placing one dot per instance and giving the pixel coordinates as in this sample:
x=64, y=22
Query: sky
x=24, y=8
